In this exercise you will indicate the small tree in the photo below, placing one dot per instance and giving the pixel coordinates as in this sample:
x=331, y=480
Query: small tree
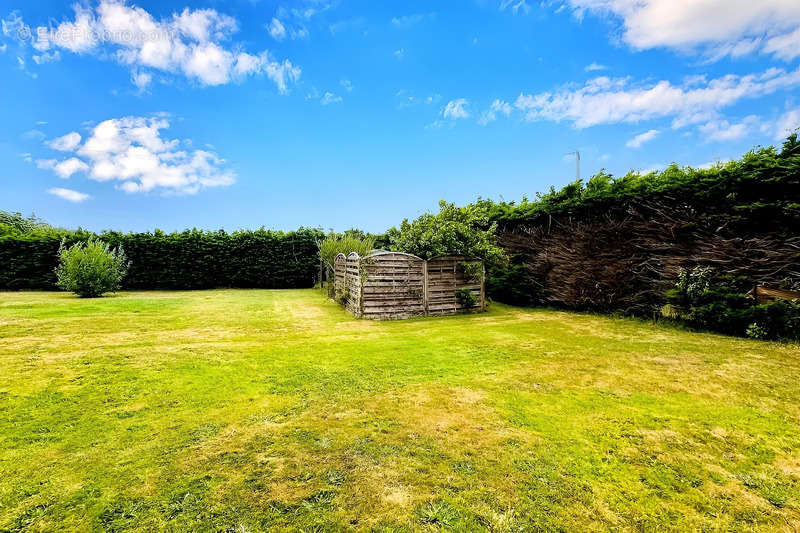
x=453, y=230
x=90, y=268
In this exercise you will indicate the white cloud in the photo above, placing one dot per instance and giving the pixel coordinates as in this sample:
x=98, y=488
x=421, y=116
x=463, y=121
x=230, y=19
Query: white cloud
x=400, y=53
x=723, y=130
x=490, y=115
x=515, y=5
x=786, y=46
x=592, y=67
x=63, y=169
x=141, y=79
x=69, y=194
x=787, y=124
x=456, y=109
x=70, y=166
x=607, y=101
x=280, y=73
x=292, y=21
x=192, y=43
x=452, y=111
x=67, y=143
x=642, y=138
x=33, y=135
x=347, y=85
x=133, y=151
x=277, y=29
x=330, y=98
x=408, y=21
x=715, y=27
x=41, y=59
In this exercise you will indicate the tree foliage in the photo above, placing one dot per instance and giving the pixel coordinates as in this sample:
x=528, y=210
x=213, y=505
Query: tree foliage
x=91, y=269
x=453, y=230
x=18, y=223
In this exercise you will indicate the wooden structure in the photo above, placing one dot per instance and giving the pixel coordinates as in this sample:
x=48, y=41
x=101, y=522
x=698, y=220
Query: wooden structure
x=765, y=295
x=394, y=285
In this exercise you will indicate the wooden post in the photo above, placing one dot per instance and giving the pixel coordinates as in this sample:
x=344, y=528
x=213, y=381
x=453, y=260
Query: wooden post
x=425, y=287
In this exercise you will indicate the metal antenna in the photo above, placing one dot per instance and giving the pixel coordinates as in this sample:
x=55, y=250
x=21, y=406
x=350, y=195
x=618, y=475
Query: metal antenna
x=577, y=154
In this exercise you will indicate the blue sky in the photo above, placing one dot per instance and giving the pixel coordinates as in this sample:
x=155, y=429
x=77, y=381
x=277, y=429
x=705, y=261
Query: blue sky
x=134, y=116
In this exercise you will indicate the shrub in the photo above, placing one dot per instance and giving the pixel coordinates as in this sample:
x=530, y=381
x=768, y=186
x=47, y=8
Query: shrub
x=333, y=245
x=754, y=331
x=704, y=299
x=694, y=282
x=91, y=268
x=466, y=299
x=513, y=284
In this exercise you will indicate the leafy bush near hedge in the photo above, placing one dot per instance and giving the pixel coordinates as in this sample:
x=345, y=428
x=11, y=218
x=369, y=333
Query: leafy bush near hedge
x=704, y=299
x=91, y=269
x=192, y=259
x=513, y=284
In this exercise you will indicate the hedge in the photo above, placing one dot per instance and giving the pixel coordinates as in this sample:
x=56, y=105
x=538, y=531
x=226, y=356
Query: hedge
x=192, y=259
x=616, y=244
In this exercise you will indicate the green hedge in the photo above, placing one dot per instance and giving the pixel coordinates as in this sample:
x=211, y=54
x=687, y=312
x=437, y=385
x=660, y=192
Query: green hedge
x=192, y=259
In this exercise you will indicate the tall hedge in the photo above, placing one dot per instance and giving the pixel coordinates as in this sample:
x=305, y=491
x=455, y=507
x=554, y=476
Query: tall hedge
x=192, y=259
x=616, y=244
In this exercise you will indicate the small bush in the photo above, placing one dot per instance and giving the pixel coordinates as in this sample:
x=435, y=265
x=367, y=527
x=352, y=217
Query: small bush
x=754, y=331
x=90, y=269
x=466, y=298
x=703, y=299
x=513, y=284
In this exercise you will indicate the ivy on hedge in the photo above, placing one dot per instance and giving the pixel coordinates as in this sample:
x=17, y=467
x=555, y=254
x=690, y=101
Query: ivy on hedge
x=192, y=259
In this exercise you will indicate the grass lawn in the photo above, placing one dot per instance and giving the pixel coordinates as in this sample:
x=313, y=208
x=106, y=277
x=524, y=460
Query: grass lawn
x=248, y=410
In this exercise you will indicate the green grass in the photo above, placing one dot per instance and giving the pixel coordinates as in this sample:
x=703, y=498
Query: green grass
x=239, y=410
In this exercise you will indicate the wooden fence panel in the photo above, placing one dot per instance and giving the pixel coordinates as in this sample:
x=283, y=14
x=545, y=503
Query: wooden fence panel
x=394, y=285
x=339, y=269
x=765, y=295
x=446, y=277
x=353, y=284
